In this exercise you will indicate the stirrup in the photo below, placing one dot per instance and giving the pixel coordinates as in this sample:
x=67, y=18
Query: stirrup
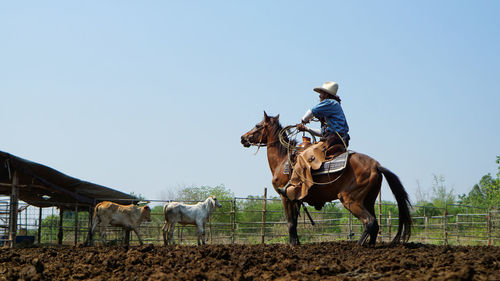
x=282, y=190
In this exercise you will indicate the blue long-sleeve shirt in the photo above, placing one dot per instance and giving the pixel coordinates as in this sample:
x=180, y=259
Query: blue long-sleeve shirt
x=329, y=110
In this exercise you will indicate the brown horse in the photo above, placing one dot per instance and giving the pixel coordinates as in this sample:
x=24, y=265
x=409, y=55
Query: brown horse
x=357, y=187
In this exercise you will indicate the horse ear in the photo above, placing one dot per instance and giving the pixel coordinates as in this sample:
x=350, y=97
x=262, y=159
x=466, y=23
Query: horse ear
x=277, y=117
x=266, y=117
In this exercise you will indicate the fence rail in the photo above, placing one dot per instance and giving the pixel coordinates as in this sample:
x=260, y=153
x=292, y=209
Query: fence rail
x=262, y=220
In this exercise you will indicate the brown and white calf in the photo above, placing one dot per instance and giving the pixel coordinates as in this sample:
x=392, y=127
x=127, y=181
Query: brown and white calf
x=127, y=216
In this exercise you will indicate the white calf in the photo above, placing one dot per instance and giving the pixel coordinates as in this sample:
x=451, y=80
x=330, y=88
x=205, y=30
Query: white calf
x=197, y=214
x=127, y=216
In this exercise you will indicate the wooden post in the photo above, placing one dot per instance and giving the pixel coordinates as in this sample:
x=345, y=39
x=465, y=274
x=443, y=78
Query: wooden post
x=60, y=233
x=426, y=222
x=14, y=203
x=179, y=232
x=380, y=215
x=39, y=234
x=76, y=223
x=233, y=218
x=210, y=231
x=488, y=225
x=90, y=239
x=458, y=230
x=350, y=225
x=389, y=225
x=264, y=209
x=444, y=227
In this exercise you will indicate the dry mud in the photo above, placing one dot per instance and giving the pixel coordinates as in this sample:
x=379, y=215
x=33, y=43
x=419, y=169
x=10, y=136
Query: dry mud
x=316, y=261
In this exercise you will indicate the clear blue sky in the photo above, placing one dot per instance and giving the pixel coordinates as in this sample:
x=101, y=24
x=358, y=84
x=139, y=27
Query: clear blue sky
x=150, y=96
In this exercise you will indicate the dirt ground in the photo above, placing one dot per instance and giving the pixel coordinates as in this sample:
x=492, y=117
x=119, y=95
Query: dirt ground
x=316, y=261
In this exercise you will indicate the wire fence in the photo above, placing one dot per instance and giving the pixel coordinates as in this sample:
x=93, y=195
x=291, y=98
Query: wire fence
x=262, y=220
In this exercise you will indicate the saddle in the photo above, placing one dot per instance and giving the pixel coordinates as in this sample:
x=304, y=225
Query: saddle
x=336, y=161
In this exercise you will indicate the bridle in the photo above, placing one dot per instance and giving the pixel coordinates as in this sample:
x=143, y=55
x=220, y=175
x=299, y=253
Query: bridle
x=260, y=144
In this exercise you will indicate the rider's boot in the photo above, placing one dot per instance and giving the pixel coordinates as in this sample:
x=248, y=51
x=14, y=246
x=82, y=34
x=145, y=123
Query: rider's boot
x=290, y=191
x=282, y=190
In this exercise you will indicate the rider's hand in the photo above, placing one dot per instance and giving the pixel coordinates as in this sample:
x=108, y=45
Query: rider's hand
x=301, y=127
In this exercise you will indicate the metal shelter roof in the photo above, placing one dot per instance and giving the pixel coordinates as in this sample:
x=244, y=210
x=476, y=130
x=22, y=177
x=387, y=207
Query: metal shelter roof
x=43, y=186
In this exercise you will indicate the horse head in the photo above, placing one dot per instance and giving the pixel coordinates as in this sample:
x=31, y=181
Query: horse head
x=258, y=135
x=215, y=201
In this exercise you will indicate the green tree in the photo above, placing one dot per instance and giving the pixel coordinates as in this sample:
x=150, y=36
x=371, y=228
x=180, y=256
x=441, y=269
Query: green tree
x=50, y=226
x=485, y=194
x=440, y=199
x=427, y=209
x=193, y=194
x=441, y=195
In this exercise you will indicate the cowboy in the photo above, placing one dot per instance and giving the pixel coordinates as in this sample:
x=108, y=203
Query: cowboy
x=334, y=133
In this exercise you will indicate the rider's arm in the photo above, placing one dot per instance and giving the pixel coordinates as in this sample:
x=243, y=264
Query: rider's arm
x=315, y=132
x=307, y=117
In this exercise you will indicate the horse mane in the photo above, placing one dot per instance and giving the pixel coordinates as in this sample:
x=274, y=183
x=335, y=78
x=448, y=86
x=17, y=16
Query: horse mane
x=275, y=131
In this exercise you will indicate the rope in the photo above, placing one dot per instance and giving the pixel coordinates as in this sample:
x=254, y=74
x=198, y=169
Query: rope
x=292, y=148
x=289, y=132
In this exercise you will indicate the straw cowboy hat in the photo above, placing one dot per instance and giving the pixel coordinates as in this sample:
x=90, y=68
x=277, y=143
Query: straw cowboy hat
x=328, y=87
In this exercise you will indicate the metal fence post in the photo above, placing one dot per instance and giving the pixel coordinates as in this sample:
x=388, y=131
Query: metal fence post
x=426, y=222
x=389, y=226
x=76, y=223
x=488, y=226
x=179, y=232
x=445, y=214
x=380, y=215
x=90, y=235
x=39, y=234
x=350, y=225
x=232, y=219
x=14, y=204
x=210, y=230
x=60, y=233
x=263, y=228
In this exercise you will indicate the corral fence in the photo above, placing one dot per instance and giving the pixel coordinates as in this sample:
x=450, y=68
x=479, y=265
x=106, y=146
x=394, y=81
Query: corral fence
x=262, y=220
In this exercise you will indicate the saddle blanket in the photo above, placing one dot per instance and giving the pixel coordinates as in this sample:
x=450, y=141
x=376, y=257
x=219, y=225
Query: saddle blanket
x=335, y=165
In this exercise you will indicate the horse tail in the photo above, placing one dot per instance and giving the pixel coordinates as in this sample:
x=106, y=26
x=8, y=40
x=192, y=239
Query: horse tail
x=405, y=222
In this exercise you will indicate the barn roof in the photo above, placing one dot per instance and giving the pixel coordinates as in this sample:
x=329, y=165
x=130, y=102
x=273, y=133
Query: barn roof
x=43, y=186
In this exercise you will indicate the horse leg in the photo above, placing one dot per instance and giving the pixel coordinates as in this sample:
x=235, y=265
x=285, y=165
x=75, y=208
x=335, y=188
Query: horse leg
x=372, y=226
x=291, y=213
x=359, y=211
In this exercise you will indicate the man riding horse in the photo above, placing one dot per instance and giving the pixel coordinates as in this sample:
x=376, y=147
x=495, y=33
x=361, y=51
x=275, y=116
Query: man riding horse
x=334, y=138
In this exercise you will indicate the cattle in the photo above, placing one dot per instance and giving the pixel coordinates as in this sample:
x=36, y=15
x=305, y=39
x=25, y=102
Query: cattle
x=129, y=217
x=197, y=214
